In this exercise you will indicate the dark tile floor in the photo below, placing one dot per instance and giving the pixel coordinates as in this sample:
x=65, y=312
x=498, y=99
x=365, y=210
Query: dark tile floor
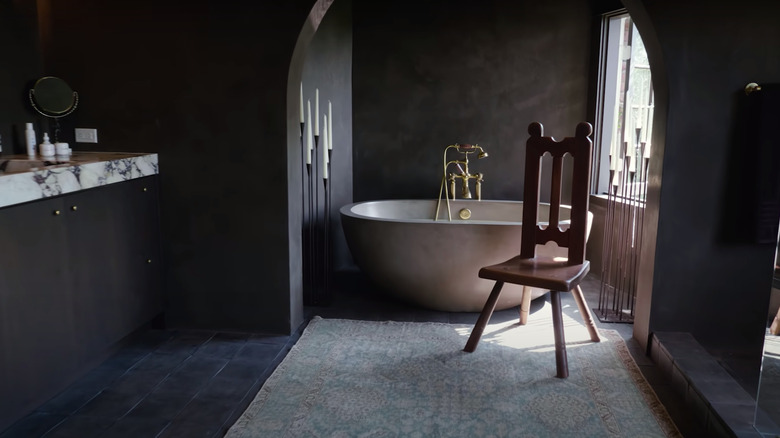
x=180, y=383
x=162, y=384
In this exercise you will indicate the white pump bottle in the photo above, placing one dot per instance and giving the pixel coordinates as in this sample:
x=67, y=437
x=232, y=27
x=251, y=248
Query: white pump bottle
x=29, y=135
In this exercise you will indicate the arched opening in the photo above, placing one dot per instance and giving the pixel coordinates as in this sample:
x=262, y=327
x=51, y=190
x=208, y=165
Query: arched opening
x=624, y=146
x=414, y=95
x=644, y=293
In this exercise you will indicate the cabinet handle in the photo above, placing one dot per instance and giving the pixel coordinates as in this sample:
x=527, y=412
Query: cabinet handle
x=148, y=260
x=74, y=208
x=56, y=212
x=144, y=188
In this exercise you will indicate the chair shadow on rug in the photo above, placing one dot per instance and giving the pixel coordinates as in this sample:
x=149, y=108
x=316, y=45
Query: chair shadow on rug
x=556, y=274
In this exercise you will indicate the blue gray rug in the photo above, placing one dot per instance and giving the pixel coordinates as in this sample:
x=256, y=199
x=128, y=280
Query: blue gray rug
x=349, y=378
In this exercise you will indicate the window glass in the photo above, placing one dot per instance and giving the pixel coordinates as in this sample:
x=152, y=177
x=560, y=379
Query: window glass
x=625, y=113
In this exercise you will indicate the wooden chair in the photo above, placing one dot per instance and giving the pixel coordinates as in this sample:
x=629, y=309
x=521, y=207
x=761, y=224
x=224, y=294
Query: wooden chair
x=545, y=272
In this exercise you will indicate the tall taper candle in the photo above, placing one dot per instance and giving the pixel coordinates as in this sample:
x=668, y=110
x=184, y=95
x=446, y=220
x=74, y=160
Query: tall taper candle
x=300, y=104
x=330, y=126
x=326, y=137
x=325, y=149
x=308, y=133
x=317, y=112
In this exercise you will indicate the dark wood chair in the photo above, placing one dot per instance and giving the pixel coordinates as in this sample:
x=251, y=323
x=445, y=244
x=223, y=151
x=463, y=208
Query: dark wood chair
x=545, y=272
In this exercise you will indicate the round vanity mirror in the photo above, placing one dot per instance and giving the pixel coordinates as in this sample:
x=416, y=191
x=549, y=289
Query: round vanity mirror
x=53, y=97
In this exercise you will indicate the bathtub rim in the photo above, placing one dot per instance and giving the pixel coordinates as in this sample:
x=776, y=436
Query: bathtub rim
x=347, y=210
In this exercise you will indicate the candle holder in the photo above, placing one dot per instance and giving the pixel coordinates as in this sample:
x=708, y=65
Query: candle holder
x=316, y=201
x=307, y=232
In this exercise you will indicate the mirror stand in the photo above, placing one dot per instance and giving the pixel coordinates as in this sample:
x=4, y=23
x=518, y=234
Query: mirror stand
x=53, y=98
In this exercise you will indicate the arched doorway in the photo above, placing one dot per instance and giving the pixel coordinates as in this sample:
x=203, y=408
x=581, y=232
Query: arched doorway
x=408, y=134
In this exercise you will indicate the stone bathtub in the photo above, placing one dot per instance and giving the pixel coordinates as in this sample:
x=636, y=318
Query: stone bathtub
x=400, y=248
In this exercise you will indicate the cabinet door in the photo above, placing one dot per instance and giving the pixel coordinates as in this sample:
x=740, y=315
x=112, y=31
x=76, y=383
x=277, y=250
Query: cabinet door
x=113, y=237
x=94, y=234
x=138, y=285
x=146, y=249
x=36, y=316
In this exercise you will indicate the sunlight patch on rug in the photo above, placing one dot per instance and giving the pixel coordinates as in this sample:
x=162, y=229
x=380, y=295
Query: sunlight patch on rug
x=349, y=378
x=536, y=335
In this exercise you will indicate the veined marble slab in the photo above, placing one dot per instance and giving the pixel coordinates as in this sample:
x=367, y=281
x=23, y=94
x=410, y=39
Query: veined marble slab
x=83, y=170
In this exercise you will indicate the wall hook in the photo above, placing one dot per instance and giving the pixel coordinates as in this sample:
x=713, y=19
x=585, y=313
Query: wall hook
x=751, y=87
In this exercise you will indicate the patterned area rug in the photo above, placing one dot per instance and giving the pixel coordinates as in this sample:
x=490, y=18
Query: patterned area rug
x=349, y=378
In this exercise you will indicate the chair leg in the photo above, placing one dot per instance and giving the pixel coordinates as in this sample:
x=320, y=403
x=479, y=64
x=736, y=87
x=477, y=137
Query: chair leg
x=587, y=317
x=525, y=305
x=561, y=362
x=484, y=317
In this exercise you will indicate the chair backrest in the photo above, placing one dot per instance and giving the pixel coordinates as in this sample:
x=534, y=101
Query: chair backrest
x=580, y=148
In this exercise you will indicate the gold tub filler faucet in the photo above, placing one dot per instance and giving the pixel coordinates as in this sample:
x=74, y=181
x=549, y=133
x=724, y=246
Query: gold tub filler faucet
x=448, y=179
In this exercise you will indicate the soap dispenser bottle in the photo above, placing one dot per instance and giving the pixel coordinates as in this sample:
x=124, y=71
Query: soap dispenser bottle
x=46, y=148
x=29, y=135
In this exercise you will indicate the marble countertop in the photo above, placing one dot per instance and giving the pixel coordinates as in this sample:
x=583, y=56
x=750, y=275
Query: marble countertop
x=23, y=179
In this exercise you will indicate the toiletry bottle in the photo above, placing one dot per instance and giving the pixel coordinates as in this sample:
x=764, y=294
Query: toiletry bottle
x=46, y=148
x=29, y=135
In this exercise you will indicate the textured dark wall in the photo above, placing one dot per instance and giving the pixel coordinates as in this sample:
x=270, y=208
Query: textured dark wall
x=704, y=281
x=204, y=84
x=429, y=74
x=22, y=65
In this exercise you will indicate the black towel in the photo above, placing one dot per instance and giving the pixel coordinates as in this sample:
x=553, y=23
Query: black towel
x=763, y=145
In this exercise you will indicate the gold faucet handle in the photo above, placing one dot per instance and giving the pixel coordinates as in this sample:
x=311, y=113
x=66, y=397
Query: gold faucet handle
x=478, y=185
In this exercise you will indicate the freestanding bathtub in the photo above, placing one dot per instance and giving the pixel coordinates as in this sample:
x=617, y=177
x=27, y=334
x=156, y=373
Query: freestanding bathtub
x=435, y=264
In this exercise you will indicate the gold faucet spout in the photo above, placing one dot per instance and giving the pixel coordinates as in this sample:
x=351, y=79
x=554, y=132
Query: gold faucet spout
x=448, y=179
x=465, y=193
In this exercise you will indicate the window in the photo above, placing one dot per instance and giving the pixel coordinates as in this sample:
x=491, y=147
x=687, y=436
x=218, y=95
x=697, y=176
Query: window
x=622, y=142
x=624, y=117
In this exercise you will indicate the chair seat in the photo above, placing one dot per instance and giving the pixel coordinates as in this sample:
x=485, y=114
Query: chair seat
x=542, y=272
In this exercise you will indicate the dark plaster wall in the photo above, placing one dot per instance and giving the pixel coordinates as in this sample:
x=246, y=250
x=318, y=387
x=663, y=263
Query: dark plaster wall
x=704, y=281
x=430, y=74
x=204, y=84
x=22, y=65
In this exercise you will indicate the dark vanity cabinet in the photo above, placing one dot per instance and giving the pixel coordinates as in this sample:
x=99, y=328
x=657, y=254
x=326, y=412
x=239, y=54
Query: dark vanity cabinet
x=78, y=273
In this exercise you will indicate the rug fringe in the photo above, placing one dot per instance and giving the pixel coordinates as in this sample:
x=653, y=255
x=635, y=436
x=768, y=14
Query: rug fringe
x=659, y=411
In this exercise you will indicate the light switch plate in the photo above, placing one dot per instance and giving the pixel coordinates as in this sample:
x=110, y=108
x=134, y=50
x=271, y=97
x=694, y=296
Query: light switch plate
x=86, y=135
